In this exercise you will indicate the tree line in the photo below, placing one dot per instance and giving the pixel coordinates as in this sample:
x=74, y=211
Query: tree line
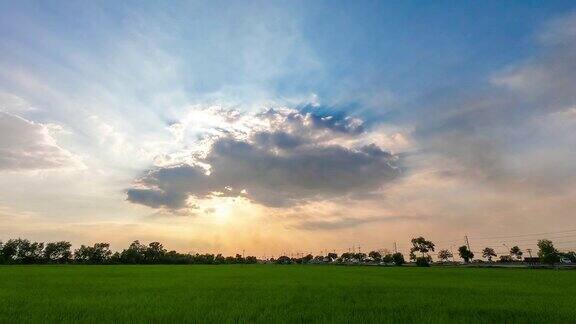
x=547, y=253
x=345, y=258
x=22, y=251
x=421, y=254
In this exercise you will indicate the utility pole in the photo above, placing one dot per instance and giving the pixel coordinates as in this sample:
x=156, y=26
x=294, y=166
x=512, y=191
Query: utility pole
x=395, y=248
x=467, y=243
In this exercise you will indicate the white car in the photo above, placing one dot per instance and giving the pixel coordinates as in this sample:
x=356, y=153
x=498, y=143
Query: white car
x=565, y=260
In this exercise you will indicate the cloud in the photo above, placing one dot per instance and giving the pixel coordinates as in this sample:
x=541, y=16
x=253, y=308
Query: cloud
x=347, y=222
x=26, y=145
x=12, y=103
x=502, y=133
x=297, y=158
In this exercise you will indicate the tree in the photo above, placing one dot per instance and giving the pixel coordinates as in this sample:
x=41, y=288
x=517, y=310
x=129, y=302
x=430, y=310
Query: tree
x=420, y=244
x=398, y=259
x=57, y=252
x=388, y=258
x=360, y=256
x=9, y=250
x=24, y=251
x=135, y=253
x=516, y=252
x=101, y=252
x=488, y=253
x=115, y=258
x=547, y=252
x=97, y=254
x=465, y=254
x=375, y=255
x=444, y=255
x=219, y=259
x=306, y=259
x=239, y=258
x=283, y=260
x=346, y=257
x=332, y=256
x=155, y=253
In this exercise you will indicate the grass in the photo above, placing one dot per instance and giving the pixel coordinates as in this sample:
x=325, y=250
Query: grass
x=267, y=293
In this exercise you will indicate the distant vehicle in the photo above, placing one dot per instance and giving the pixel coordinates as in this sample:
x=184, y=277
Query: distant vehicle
x=565, y=261
x=386, y=263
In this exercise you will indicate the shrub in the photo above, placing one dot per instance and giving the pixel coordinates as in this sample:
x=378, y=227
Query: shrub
x=398, y=259
x=422, y=262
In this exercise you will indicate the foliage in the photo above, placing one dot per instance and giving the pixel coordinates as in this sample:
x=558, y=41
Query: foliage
x=283, y=260
x=97, y=254
x=8, y=251
x=398, y=259
x=307, y=258
x=360, y=256
x=465, y=253
x=444, y=255
x=547, y=252
x=505, y=259
x=488, y=253
x=420, y=244
x=375, y=255
x=58, y=252
x=22, y=251
x=388, y=258
x=346, y=257
x=423, y=261
x=516, y=252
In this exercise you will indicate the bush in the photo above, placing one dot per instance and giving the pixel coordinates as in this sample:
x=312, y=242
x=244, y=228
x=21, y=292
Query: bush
x=422, y=262
x=283, y=260
x=398, y=259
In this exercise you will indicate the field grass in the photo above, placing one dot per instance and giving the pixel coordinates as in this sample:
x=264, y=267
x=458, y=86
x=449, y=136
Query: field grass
x=268, y=293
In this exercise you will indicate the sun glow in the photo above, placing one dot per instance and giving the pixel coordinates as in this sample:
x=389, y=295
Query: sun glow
x=222, y=213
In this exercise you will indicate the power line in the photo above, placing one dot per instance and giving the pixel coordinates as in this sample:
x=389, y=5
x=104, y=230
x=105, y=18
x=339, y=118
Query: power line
x=522, y=235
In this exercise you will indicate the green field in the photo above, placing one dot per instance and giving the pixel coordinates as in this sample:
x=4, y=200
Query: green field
x=268, y=293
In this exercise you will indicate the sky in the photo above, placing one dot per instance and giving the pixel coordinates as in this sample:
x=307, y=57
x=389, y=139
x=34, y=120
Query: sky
x=288, y=127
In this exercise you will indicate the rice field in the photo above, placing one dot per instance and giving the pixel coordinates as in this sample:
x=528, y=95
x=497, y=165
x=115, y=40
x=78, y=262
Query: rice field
x=274, y=293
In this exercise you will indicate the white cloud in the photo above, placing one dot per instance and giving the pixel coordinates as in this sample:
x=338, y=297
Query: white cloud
x=12, y=103
x=26, y=145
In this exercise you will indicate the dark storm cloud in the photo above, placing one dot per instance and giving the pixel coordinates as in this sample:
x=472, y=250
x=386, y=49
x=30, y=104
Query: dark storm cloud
x=275, y=168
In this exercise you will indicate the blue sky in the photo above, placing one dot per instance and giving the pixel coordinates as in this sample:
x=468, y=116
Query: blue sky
x=105, y=102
